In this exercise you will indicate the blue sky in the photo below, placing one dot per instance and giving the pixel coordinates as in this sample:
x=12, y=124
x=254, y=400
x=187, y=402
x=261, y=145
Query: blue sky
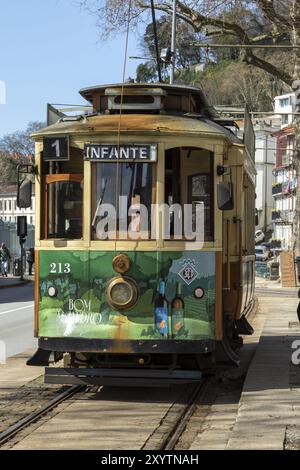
x=49, y=50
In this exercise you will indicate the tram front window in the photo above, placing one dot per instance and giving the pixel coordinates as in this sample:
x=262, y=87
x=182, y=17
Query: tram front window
x=121, y=201
x=64, y=209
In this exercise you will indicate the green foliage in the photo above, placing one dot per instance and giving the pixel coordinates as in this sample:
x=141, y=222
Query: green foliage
x=15, y=148
x=19, y=142
x=8, y=169
x=145, y=73
x=233, y=83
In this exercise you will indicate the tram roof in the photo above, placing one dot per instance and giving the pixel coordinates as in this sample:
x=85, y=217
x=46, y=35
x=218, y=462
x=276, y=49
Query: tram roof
x=155, y=124
x=88, y=92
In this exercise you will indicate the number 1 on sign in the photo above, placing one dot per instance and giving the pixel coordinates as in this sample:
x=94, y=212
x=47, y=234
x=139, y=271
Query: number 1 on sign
x=57, y=149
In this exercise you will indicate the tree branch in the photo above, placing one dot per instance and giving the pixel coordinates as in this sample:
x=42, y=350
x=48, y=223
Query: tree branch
x=269, y=12
x=252, y=59
x=199, y=21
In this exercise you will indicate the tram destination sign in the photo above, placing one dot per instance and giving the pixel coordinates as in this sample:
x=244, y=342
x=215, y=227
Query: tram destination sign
x=112, y=152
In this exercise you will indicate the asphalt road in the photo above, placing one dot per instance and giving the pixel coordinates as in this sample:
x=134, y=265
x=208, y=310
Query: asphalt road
x=16, y=320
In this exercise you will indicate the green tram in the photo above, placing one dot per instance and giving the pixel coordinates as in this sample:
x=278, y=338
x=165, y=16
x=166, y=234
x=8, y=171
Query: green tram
x=119, y=291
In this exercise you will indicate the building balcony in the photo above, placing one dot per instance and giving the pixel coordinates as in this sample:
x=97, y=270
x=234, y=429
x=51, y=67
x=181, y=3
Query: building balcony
x=277, y=189
x=275, y=243
x=283, y=217
x=276, y=214
x=287, y=216
x=286, y=188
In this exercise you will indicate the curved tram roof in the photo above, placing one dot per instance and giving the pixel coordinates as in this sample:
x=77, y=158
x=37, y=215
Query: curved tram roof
x=176, y=121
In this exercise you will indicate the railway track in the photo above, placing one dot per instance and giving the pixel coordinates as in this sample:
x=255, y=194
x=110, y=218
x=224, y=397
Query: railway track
x=31, y=418
x=174, y=434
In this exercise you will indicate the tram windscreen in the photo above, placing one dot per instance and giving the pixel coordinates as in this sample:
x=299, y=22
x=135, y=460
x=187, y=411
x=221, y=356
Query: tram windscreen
x=64, y=210
x=121, y=201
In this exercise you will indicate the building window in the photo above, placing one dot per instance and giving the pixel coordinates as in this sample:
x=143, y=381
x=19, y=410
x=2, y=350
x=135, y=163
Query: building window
x=284, y=118
x=5, y=205
x=1, y=205
x=15, y=204
x=9, y=205
x=284, y=102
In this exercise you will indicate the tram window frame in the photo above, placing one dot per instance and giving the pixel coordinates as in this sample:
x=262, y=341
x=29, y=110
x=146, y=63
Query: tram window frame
x=94, y=200
x=60, y=178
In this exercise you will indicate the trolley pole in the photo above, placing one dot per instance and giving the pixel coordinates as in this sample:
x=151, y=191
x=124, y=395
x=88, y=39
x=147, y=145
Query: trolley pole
x=173, y=44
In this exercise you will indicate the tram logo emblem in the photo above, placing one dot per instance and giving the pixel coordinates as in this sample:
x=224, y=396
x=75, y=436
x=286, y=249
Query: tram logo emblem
x=188, y=273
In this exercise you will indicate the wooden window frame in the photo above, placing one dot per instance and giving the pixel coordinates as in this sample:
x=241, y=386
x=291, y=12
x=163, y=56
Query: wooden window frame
x=54, y=178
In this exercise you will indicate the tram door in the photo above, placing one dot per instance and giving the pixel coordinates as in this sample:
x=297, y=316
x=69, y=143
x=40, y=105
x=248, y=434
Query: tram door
x=189, y=180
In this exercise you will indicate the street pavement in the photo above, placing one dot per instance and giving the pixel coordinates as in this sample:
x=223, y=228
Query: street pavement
x=16, y=320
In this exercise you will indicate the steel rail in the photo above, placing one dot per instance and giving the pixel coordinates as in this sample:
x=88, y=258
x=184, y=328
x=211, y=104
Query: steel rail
x=13, y=430
x=179, y=426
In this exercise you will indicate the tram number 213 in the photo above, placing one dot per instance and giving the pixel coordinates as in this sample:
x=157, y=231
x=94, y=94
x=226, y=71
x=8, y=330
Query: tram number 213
x=60, y=268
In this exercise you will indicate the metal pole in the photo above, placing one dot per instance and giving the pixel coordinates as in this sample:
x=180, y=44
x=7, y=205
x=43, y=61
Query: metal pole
x=156, y=42
x=173, y=44
x=266, y=184
x=22, y=259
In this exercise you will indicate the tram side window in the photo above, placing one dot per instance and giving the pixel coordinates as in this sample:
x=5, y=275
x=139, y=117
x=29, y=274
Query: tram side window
x=64, y=209
x=189, y=180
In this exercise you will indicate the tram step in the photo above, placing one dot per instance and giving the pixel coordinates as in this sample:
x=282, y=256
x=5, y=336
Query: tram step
x=124, y=377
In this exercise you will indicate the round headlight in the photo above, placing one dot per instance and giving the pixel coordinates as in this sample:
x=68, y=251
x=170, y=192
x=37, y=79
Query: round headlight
x=122, y=293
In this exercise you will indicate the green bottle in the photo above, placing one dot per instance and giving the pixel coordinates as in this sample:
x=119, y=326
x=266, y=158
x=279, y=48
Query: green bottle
x=177, y=313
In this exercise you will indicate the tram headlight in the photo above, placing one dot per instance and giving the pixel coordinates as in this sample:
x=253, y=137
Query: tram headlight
x=122, y=293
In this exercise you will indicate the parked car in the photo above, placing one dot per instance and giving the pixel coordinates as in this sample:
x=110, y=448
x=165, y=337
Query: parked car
x=259, y=236
x=261, y=253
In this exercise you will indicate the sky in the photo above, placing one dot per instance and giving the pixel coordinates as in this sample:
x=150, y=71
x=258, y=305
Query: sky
x=49, y=49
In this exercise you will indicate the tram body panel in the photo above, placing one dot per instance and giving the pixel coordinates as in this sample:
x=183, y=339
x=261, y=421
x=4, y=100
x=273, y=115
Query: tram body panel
x=75, y=304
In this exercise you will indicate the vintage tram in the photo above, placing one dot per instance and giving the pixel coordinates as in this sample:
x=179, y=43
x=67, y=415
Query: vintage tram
x=143, y=303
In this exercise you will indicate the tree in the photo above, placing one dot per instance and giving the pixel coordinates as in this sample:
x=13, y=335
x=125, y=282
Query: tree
x=19, y=142
x=15, y=148
x=277, y=22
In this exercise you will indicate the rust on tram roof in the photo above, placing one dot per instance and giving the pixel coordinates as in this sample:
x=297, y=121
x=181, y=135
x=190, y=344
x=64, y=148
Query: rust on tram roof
x=138, y=124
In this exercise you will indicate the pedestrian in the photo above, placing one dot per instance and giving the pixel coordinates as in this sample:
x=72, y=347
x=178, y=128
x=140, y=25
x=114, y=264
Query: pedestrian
x=30, y=260
x=5, y=259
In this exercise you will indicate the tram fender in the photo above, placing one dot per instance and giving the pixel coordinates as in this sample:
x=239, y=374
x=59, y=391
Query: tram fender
x=41, y=357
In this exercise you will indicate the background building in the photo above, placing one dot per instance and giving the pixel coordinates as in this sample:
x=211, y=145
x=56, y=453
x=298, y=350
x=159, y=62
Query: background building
x=285, y=104
x=265, y=156
x=284, y=189
x=8, y=206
